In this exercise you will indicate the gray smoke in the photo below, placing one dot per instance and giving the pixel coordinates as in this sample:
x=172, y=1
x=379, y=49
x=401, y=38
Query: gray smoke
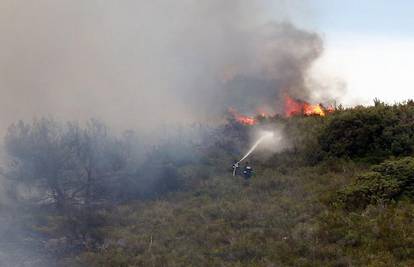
x=281, y=56
x=140, y=64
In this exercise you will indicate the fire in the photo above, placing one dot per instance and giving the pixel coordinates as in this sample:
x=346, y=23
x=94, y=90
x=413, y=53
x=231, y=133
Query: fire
x=296, y=107
x=313, y=110
x=292, y=107
x=242, y=119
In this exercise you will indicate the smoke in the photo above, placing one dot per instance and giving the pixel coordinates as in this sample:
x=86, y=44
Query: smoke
x=142, y=64
x=280, y=61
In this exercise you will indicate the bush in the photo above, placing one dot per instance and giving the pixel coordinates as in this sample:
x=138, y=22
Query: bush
x=388, y=181
x=374, y=133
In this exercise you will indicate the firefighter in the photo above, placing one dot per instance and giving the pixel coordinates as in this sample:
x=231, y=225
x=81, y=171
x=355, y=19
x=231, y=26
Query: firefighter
x=236, y=170
x=247, y=171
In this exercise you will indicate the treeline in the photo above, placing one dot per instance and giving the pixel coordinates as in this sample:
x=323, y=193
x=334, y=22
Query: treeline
x=374, y=133
x=370, y=134
x=65, y=176
x=73, y=165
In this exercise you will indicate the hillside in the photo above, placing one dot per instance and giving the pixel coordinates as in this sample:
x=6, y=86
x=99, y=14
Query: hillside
x=340, y=195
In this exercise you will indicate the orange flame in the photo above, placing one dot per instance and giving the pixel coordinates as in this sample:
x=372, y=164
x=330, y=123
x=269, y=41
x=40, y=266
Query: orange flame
x=296, y=107
x=293, y=107
x=242, y=119
x=313, y=110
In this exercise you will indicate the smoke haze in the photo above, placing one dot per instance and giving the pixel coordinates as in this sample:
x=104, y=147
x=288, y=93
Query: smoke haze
x=139, y=64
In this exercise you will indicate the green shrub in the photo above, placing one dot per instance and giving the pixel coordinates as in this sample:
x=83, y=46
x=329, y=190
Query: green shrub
x=372, y=132
x=388, y=181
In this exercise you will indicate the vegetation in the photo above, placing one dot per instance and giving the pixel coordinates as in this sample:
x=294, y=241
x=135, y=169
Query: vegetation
x=387, y=182
x=372, y=133
x=341, y=194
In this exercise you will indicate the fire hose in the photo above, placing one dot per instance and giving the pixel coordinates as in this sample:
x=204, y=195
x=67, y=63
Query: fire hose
x=253, y=148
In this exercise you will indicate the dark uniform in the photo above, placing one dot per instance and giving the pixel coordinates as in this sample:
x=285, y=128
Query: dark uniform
x=247, y=172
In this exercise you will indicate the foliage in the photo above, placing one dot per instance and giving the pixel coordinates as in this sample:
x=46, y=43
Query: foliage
x=73, y=174
x=224, y=222
x=375, y=132
x=388, y=181
x=321, y=202
x=380, y=235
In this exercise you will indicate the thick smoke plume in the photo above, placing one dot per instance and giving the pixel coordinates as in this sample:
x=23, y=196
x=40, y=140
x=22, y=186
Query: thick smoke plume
x=140, y=64
x=280, y=58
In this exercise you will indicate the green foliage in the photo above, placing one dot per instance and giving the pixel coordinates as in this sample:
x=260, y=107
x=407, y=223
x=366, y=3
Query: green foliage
x=374, y=133
x=285, y=216
x=223, y=223
x=388, y=181
x=319, y=203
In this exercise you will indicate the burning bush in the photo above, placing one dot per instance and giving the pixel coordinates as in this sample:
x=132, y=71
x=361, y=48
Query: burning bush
x=292, y=107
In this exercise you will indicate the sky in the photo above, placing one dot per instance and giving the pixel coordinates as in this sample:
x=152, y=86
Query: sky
x=369, y=47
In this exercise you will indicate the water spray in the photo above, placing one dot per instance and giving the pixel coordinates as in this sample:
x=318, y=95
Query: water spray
x=253, y=148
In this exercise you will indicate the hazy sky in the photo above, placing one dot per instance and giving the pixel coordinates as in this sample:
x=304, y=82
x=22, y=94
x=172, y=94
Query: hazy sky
x=369, y=45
